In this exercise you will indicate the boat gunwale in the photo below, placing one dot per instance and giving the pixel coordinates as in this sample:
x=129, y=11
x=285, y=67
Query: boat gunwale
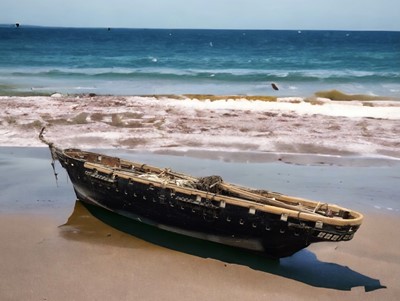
x=356, y=219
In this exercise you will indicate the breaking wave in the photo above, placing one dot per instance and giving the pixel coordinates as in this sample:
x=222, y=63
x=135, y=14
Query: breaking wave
x=227, y=75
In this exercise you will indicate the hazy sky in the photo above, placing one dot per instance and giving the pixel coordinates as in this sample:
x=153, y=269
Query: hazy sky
x=239, y=14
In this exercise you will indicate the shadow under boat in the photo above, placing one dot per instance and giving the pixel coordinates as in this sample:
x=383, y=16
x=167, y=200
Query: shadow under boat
x=304, y=266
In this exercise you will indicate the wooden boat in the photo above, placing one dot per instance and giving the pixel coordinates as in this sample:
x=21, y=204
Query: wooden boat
x=271, y=223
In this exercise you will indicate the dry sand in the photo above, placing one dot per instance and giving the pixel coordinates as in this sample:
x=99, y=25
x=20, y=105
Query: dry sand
x=89, y=260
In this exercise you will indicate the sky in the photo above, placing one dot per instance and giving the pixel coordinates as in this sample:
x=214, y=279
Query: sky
x=215, y=14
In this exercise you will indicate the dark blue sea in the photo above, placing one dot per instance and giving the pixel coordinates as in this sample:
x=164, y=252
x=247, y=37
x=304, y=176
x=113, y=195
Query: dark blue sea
x=43, y=60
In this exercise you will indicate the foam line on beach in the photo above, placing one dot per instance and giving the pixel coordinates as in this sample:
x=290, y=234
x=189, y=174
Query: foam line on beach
x=206, y=122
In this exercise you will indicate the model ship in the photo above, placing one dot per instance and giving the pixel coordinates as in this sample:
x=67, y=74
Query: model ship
x=261, y=221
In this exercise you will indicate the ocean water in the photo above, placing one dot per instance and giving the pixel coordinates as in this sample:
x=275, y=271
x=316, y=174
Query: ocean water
x=44, y=60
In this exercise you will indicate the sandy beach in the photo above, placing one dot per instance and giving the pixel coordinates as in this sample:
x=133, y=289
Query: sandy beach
x=54, y=248
x=42, y=259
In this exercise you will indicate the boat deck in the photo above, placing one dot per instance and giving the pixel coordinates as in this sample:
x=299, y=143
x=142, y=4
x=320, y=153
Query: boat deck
x=215, y=189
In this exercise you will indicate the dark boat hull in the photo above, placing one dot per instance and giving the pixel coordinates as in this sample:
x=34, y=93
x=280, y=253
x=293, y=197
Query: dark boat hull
x=236, y=226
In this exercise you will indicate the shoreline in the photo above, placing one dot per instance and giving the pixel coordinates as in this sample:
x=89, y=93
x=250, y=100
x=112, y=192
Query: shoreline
x=302, y=159
x=288, y=158
x=160, y=124
x=332, y=95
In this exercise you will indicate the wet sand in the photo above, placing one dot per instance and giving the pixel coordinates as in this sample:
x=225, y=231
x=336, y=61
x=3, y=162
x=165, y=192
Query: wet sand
x=56, y=249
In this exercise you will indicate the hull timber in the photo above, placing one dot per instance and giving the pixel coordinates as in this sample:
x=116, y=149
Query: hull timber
x=207, y=208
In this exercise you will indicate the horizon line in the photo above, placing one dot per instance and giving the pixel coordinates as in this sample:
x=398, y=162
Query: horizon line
x=20, y=25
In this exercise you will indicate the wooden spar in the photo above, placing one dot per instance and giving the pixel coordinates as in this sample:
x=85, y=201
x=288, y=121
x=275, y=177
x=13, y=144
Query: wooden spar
x=41, y=137
x=259, y=198
x=231, y=188
x=50, y=144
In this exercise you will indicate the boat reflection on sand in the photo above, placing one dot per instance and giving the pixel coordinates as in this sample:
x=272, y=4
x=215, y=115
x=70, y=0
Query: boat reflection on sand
x=93, y=224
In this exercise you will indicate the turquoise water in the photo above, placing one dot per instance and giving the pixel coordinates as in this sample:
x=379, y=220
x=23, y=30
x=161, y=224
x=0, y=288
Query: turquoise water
x=161, y=61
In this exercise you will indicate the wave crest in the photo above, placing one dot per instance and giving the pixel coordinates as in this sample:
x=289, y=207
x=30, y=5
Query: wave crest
x=226, y=75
